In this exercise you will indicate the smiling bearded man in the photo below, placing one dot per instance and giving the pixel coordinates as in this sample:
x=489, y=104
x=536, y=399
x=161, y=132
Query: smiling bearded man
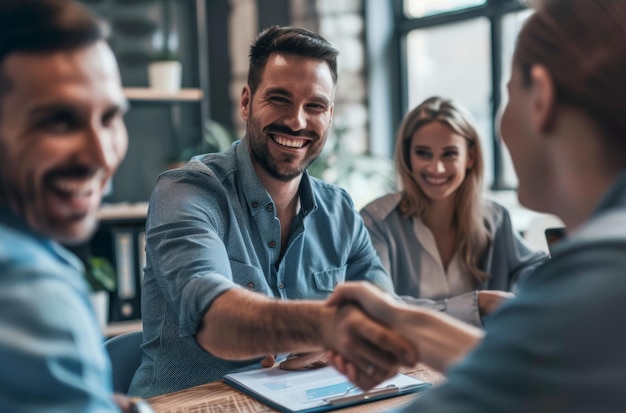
x=239, y=249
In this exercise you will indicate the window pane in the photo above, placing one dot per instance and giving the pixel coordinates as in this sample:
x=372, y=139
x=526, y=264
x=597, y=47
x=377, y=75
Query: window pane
x=421, y=8
x=511, y=25
x=454, y=61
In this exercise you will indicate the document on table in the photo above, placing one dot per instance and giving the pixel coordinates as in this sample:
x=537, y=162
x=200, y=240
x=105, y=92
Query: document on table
x=315, y=390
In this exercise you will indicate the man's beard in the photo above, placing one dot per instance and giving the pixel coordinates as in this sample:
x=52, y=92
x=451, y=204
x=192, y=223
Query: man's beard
x=260, y=151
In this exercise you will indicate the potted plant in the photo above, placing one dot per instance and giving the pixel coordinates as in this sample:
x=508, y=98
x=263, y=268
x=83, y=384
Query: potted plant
x=100, y=277
x=364, y=176
x=102, y=280
x=215, y=138
x=165, y=69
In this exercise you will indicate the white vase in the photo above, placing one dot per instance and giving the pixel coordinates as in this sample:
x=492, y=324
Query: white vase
x=165, y=76
x=100, y=303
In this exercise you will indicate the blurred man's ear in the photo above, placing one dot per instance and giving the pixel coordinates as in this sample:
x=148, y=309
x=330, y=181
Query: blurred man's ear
x=244, y=103
x=542, y=99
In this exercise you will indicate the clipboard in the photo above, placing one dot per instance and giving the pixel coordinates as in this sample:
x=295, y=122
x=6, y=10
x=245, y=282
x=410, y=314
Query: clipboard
x=316, y=390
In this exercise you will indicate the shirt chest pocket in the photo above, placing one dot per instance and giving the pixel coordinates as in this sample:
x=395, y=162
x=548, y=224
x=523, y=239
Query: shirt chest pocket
x=327, y=280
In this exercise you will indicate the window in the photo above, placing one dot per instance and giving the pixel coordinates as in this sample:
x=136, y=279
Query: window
x=461, y=49
x=511, y=25
x=421, y=8
x=454, y=61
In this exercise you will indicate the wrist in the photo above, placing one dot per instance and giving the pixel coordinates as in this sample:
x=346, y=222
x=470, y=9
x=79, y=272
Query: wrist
x=138, y=405
x=411, y=316
x=326, y=324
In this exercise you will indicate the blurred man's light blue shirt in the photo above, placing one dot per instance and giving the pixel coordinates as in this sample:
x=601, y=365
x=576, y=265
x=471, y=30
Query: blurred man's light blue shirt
x=51, y=353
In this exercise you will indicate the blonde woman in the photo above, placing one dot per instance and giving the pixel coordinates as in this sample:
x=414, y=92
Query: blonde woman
x=443, y=245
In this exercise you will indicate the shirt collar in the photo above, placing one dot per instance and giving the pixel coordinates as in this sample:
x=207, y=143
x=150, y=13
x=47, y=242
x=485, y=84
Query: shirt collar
x=615, y=196
x=308, y=203
x=17, y=223
x=254, y=192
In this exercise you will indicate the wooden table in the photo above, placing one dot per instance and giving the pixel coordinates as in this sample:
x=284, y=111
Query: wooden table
x=218, y=397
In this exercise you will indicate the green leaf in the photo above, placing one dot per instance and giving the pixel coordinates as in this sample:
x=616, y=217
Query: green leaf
x=100, y=275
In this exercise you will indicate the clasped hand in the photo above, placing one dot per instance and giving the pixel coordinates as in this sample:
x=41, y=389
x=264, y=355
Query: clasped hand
x=357, y=336
x=362, y=341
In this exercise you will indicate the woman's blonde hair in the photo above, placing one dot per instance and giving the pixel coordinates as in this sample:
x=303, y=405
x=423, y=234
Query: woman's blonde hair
x=469, y=214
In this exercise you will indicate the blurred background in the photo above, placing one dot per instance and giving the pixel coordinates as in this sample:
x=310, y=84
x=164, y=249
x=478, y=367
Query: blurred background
x=393, y=54
x=184, y=63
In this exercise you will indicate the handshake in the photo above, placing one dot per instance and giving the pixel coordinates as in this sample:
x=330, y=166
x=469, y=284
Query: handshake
x=368, y=335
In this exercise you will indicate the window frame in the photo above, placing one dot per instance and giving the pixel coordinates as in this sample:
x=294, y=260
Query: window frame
x=494, y=11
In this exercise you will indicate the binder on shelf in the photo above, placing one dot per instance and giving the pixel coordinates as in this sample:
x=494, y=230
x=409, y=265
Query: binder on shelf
x=121, y=241
x=125, y=267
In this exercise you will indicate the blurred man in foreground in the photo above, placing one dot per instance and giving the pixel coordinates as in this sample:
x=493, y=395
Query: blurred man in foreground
x=62, y=136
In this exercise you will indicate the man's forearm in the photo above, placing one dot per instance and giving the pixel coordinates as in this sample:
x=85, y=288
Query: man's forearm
x=442, y=340
x=242, y=325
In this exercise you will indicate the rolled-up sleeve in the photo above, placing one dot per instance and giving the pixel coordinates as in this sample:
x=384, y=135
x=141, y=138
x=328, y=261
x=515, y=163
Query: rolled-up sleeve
x=184, y=243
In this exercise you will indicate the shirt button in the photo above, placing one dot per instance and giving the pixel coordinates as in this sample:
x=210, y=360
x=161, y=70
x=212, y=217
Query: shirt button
x=271, y=244
x=281, y=285
x=270, y=208
x=251, y=286
x=255, y=204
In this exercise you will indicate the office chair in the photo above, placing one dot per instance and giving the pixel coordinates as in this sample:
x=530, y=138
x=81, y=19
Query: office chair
x=125, y=353
x=535, y=233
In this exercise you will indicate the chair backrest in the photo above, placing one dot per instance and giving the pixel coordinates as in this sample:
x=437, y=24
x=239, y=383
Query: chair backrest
x=125, y=353
x=535, y=233
x=554, y=235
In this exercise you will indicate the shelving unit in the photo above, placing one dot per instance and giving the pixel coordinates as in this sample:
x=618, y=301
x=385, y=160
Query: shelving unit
x=121, y=327
x=148, y=94
x=124, y=210
x=159, y=124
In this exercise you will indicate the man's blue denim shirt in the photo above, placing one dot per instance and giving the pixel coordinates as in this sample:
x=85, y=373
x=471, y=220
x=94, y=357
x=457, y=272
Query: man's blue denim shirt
x=211, y=227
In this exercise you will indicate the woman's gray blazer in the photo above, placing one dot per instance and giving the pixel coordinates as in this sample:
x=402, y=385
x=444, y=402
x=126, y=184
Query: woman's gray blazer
x=507, y=259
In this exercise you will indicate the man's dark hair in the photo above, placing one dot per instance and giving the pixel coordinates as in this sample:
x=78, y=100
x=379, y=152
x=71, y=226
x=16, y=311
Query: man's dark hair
x=289, y=40
x=45, y=26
